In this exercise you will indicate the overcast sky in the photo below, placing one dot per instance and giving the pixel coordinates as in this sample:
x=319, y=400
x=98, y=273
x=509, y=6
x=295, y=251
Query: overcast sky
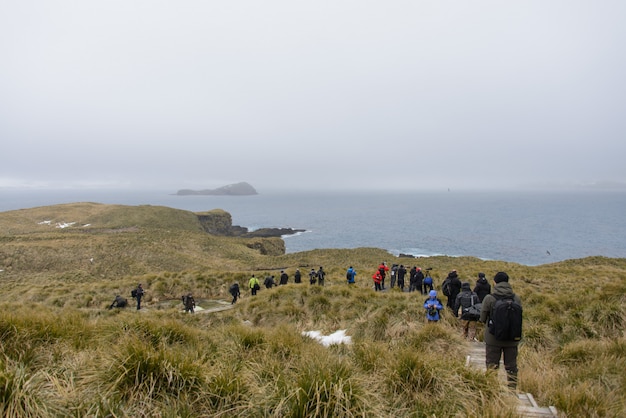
x=315, y=94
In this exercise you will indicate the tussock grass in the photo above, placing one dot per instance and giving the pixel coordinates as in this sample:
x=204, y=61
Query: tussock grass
x=63, y=354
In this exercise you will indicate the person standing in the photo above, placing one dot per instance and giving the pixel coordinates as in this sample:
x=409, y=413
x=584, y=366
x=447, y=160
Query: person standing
x=284, y=278
x=496, y=348
x=234, y=291
x=394, y=271
x=455, y=288
x=254, y=285
x=433, y=307
x=464, y=300
x=378, y=280
x=383, y=269
x=321, y=275
x=350, y=275
x=413, y=279
x=189, y=303
x=419, y=279
x=401, y=273
x=297, y=276
x=312, y=277
x=138, y=294
x=482, y=288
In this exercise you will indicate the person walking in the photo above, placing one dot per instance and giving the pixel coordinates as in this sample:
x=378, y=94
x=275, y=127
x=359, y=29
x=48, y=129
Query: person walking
x=234, y=291
x=269, y=282
x=464, y=301
x=433, y=307
x=490, y=314
x=138, y=294
x=297, y=276
x=383, y=269
x=350, y=275
x=312, y=277
x=284, y=278
x=482, y=288
x=254, y=285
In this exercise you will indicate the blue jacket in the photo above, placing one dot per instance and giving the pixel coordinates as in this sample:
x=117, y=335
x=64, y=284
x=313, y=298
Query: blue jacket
x=434, y=303
x=351, y=272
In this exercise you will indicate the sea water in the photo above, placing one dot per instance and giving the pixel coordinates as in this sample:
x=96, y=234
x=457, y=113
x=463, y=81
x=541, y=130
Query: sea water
x=524, y=227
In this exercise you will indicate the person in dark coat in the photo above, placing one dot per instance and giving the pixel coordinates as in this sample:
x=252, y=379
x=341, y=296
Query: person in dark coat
x=235, y=292
x=284, y=278
x=401, y=273
x=494, y=348
x=419, y=278
x=189, y=302
x=119, y=302
x=482, y=288
x=455, y=288
x=297, y=276
x=139, y=292
x=464, y=300
x=269, y=282
x=413, y=279
x=321, y=275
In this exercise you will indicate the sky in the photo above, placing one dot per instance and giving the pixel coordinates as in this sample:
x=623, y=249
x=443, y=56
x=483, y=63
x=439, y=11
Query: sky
x=312, y=94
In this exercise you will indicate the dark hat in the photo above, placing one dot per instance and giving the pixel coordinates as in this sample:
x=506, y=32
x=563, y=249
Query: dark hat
x=501, y=277
x=452, y=273
x=481, y=274
x=465, y=286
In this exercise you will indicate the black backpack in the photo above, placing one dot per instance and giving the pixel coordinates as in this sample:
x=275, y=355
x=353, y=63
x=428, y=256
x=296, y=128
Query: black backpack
x=505, y=320
x=445, y=287
x=133, y=293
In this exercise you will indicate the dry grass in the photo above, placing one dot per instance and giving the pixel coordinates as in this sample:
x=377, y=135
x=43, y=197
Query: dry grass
x=64, y=354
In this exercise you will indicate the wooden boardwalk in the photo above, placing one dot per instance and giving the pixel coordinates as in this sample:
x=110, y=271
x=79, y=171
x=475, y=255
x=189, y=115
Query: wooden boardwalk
x=527, y=407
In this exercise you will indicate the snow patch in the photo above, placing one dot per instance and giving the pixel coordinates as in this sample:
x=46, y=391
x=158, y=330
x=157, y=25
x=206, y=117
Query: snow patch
x=338, y=337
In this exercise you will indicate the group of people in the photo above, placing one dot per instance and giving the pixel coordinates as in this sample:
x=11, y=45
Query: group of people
x=138, y=293
x=500, y=311
x=418, y=280
x=480, y=304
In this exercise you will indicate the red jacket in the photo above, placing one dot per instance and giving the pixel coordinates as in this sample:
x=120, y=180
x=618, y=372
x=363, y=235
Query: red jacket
x=377, y=277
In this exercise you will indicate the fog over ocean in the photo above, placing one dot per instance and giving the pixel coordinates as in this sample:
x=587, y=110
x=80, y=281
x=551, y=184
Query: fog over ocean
x=530, y=228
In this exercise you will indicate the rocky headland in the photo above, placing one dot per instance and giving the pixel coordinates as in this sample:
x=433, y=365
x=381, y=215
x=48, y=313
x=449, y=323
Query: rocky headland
x=237, y=189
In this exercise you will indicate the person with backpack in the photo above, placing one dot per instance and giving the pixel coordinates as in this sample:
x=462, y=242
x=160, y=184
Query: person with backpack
x=234, y=291
x=269, y=282
x=428, y=284
x=451, y=287
x=482, y=288
x=433, y=307
x=297, y=276
x=467, y=301
x=502, y=312
x=189, y=303
x=321, y=275
x=284, y=278
x=137, y=294
x=254, y=285
x=350, y=274
x=118, y=302
x=312, y=277
x=401, y=273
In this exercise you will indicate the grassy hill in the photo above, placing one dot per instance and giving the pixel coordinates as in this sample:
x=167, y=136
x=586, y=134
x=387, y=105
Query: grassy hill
x=64, y=354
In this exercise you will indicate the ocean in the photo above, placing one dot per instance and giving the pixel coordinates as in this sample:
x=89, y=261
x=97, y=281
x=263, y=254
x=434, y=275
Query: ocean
x=529, y=228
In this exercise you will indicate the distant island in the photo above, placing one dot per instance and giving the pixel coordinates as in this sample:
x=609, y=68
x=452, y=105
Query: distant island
x=237, y=189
